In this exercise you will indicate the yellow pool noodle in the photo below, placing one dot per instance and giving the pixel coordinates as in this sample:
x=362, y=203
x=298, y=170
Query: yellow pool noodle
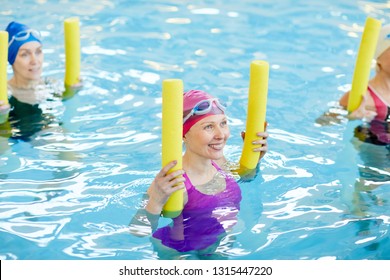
x=257, y=104
x=3, y=66
x=365, y=55
x=172, y=135
x=72, y=51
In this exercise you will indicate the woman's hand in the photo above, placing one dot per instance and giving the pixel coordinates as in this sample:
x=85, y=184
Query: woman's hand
x=163, y=186
x=362, y=112
x=4, y=108
x=262, y=141
x=261, y=144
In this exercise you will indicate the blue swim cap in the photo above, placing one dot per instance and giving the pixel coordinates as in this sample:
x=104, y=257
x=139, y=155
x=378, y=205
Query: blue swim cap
x=14, y=30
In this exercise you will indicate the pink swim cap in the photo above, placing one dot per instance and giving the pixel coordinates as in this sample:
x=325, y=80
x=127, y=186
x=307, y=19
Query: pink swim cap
x=190, y=99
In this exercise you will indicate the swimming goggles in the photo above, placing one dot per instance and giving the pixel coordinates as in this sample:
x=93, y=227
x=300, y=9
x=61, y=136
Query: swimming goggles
x=24, y=35
x=203, y=107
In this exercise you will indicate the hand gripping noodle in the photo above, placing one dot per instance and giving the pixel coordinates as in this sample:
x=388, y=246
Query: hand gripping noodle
x=72, y=51
x=3, y=66
x=361, y=73
x=172, y=135
x=257, y=104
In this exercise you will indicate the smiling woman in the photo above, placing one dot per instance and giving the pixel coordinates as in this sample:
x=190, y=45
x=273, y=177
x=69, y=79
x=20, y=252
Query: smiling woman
x=211, y=194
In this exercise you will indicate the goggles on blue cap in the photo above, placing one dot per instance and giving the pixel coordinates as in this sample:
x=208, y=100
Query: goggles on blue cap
x=24, y=35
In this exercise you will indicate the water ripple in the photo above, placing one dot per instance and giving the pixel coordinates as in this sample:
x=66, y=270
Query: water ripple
x=68, y=147
x=99, y=241
x=294, y=138
x=40, y=232
x=96, y=117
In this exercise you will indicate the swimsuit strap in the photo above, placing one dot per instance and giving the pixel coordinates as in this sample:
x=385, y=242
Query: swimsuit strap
x=216, y=166
x=382, y=108
x=188, y=184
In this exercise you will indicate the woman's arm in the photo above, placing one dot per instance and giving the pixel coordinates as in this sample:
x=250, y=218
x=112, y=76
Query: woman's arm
x=164, y=184
x=143, y=223
x=344, y=100
x=366, y=109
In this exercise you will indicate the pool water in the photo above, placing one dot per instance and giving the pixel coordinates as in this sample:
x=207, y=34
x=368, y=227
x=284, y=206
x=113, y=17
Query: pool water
x=71, y=190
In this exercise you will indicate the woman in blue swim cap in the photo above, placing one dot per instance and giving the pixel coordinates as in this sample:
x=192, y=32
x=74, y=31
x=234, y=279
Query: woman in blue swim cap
x=27, y=89
x=25, y=55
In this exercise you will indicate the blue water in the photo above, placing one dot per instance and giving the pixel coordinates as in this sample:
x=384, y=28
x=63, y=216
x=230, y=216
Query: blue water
x=71, y=191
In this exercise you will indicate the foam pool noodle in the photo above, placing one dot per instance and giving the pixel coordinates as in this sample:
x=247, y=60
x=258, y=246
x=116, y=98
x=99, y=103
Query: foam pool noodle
x=172, y=135
x=72, y=51
x=257, y=104
x=3, y=66
x=365, y=55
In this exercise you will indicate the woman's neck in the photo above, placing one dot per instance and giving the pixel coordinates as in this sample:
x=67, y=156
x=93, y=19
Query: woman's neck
x=200, y=170
x=23, y=83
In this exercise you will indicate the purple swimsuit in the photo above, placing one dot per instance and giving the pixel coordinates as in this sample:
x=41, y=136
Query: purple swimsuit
x=198, y=226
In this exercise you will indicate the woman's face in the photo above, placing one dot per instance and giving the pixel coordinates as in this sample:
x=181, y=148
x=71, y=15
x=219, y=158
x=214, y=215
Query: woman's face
x=384, y=61
x=28, y=62
x=208, y=137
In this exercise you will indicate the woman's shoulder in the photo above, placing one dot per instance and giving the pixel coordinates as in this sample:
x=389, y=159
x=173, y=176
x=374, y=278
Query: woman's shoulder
x=368, y=99
x=344, y=99
x=46, y=88
x=228, y=169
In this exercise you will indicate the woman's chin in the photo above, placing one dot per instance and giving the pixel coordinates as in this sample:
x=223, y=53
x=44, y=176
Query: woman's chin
x=217, y=155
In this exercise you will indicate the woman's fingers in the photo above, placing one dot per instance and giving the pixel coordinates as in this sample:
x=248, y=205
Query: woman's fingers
x=262, y=141
x=166, y=181
x=163, y=172
x=4, y=108
x=174, y=178
x=263, y=134
x=263, y=148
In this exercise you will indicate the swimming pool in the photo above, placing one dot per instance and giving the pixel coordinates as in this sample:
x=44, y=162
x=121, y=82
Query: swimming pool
x=71, y=191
